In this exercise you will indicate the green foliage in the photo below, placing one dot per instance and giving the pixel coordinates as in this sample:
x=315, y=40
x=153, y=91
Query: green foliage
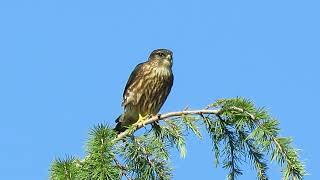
x=172, y=133
x=190, y=123
x=146, y=157
x=64, y=169
x=99, y=161
x=250, y=132
x=240, y=133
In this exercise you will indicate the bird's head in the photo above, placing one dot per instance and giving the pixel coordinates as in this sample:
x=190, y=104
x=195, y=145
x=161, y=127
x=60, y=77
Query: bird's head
x=162, y=57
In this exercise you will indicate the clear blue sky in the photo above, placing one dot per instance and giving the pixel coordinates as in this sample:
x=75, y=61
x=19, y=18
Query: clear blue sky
x=64, y=64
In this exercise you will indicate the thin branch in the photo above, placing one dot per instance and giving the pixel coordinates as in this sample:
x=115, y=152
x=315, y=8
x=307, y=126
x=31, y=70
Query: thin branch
x=123, y=169
x=176, y=114
x=243, y=111
x=163, y=117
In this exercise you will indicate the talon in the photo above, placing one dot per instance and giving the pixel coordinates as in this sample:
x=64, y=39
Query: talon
x=141, y=120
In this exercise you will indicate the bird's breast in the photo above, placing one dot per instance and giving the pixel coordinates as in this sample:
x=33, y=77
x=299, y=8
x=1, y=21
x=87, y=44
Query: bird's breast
x=162, y=71
x=154, y=90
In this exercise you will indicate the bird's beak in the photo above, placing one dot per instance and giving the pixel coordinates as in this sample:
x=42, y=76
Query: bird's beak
x=169, y=57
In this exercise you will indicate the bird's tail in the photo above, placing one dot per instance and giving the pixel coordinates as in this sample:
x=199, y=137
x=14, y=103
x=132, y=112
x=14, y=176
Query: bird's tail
x=119, y=127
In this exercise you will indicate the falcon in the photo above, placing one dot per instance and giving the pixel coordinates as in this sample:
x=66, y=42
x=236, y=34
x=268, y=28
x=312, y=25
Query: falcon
x=147, y=89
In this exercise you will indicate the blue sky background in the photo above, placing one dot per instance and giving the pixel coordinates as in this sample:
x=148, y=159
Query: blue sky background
x=64, y=64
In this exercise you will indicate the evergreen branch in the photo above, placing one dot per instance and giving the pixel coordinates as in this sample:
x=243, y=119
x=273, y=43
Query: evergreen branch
x=146, y=158
x=263, y=134
x=99, y=162
x=256, y=156
x=123, y=169
x=190, y=124
x=236, y=127
x=232, y=157
x=266, y=134
x=216, y=132
x=172, y=133
x=64, y=169
x=284, y=153
x=162, y=117
x=231, y=150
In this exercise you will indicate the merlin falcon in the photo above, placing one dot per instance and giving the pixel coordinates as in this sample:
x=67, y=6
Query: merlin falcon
x=147, y=89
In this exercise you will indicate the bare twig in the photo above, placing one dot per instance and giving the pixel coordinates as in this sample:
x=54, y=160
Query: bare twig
x=123, y=169
x=163, y=117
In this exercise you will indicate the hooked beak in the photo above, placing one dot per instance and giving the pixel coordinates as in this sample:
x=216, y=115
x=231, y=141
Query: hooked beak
x=169, y=57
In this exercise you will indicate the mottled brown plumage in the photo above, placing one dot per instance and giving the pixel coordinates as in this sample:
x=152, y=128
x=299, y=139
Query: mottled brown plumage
x=147, y=88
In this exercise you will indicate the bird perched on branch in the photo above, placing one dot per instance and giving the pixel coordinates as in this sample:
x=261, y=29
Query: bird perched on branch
x=147, y=89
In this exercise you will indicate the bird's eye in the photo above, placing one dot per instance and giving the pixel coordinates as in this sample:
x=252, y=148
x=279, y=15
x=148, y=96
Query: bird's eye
x=161, y=54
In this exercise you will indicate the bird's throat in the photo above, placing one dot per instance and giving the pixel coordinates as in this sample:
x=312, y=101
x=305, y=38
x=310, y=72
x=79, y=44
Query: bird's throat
x=163, y=71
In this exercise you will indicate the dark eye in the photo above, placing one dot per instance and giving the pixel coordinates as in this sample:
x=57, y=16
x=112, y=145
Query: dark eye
x=161, y=54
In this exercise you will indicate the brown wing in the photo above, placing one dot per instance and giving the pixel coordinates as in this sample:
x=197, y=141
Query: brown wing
x=135, y=77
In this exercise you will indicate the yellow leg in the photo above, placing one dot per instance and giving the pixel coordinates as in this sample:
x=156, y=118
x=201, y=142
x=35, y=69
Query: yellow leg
x=142, y=119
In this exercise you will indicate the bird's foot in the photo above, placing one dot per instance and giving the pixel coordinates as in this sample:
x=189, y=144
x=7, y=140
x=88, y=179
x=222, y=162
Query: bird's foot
x=142, y=120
